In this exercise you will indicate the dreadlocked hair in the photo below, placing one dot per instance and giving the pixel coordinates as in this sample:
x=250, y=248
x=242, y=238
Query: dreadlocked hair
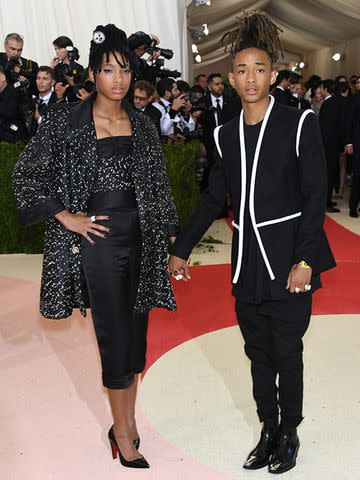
x=254, y=29
x=106, y=40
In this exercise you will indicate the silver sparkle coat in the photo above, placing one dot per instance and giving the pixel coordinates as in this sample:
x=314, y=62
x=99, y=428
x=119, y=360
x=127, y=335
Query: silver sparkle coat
x=57, y=170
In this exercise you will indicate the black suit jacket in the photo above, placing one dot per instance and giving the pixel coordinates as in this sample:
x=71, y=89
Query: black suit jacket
x=332, y=121
x=289, y=194
x=12, y=121
x=282, y=96
x=30, y=69
x=155, y=115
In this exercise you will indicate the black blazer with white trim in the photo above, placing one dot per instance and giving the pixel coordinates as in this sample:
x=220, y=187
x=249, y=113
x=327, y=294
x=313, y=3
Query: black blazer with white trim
x=287, y=193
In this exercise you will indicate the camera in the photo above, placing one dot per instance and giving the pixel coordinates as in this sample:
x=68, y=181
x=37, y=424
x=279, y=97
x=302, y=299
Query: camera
x=141, y=38
x=12, y=75
x=164, y=52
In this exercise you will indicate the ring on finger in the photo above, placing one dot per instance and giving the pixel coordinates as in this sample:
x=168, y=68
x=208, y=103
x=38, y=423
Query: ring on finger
x=93, y=218
x=307, y=287
x=297, y=290
x=178, y=276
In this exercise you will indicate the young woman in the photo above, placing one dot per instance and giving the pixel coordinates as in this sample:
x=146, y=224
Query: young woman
x=95, y=173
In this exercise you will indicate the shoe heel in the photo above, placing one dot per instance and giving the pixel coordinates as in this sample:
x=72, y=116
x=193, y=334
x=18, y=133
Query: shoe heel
x=114, y=449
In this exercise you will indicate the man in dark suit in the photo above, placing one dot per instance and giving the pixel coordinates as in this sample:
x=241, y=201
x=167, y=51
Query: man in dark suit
x=143, y=96
x=353, y=147
x=12, y=121
x=45, y=82
x=279, y=245
x=332, y=118
x=20, y=71
x=281, y=91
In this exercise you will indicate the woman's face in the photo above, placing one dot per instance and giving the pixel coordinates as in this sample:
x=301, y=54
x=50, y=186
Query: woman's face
x=113, y=81
x=61, y=53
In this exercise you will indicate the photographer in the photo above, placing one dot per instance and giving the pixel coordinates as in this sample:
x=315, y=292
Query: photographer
x=20, y=72
x=68, y=72
x=12, y=122
x=150, y=69
x=174, y=108
x=143, y=96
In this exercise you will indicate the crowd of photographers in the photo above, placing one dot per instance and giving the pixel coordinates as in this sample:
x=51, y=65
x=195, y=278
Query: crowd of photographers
x=179, y=111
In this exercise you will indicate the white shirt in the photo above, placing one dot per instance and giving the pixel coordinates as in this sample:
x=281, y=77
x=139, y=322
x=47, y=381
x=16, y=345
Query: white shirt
x=215, y=104
x=167, y=123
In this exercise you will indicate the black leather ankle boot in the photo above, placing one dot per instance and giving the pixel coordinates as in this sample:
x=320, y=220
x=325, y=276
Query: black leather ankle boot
x=260, y=456
x=284, y=457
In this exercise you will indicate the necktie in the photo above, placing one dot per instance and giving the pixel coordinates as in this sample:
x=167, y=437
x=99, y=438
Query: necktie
x=218, y=112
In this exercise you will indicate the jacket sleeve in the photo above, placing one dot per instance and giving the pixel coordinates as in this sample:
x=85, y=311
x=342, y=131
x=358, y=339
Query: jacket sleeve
x=34, y=175
x=161, y=181
x=210, y=205
x=313, y=186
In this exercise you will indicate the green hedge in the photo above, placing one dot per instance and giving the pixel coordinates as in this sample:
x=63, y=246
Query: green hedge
x=180, y=162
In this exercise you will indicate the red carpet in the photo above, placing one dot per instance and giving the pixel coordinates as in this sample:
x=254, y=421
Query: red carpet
x=205, y=303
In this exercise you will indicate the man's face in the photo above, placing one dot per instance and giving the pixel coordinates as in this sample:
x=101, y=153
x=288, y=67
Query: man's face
x=202, y=81
x=44, y=82
x=2, y=82
x=252, y=75
x=141, y=99
x=216, y=86
x=139, y=51
x=285, y=83
x=175, y=92
x=357, y=85
x=13, y=48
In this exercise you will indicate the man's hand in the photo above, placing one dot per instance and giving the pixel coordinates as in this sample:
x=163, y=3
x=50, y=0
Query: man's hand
x=60, y=90
x=349, y=149
x=298, y=278
x=178, y=266
x=37, y=115
x=179, y=102
x=82, y=94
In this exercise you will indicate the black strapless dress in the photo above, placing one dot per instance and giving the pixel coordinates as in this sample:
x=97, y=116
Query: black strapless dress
x=111, y=267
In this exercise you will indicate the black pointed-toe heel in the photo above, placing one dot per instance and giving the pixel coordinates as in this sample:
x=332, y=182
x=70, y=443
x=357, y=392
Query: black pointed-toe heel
x=137, y=463
x=259, y=457
x=137, y=443
x=287, y=448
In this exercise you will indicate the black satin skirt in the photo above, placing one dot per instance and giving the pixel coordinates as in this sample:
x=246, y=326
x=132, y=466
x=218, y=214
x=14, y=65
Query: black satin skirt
x=111, y=269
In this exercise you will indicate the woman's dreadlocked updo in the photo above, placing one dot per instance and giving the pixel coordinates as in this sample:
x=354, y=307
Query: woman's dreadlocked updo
x=106, y=40
x=254, y=29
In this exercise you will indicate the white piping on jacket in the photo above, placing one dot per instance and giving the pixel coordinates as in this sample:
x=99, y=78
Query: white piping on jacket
x=251, y=195
x=298, y=133
x=216, y=138
x=278, y=220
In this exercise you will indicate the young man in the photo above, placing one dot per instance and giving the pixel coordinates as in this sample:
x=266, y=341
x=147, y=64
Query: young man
x=143, y=97
x=271, y=162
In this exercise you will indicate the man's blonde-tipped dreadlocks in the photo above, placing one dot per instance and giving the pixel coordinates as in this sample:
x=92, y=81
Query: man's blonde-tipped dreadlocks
x=254, y=29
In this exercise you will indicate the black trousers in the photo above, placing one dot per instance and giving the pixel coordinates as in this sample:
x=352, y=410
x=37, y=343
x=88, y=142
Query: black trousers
x=273, y=332
x=111, y=268
x=332, y=167
x=354, y=199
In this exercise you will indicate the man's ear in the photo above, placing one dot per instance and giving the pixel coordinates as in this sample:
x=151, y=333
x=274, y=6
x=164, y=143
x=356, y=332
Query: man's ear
x=273, y=77
x=231, y=79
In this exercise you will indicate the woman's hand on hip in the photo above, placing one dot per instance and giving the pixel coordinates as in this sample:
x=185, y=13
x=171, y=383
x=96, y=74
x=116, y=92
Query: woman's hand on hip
x=80, y=223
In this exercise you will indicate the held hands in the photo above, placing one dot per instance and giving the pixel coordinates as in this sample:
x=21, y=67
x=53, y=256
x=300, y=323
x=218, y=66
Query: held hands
x=177, y=267
x=299, y=279
x=79, y=223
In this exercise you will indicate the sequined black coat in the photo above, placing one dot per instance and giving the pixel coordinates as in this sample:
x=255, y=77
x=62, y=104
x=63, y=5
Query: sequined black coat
x=57, y=170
